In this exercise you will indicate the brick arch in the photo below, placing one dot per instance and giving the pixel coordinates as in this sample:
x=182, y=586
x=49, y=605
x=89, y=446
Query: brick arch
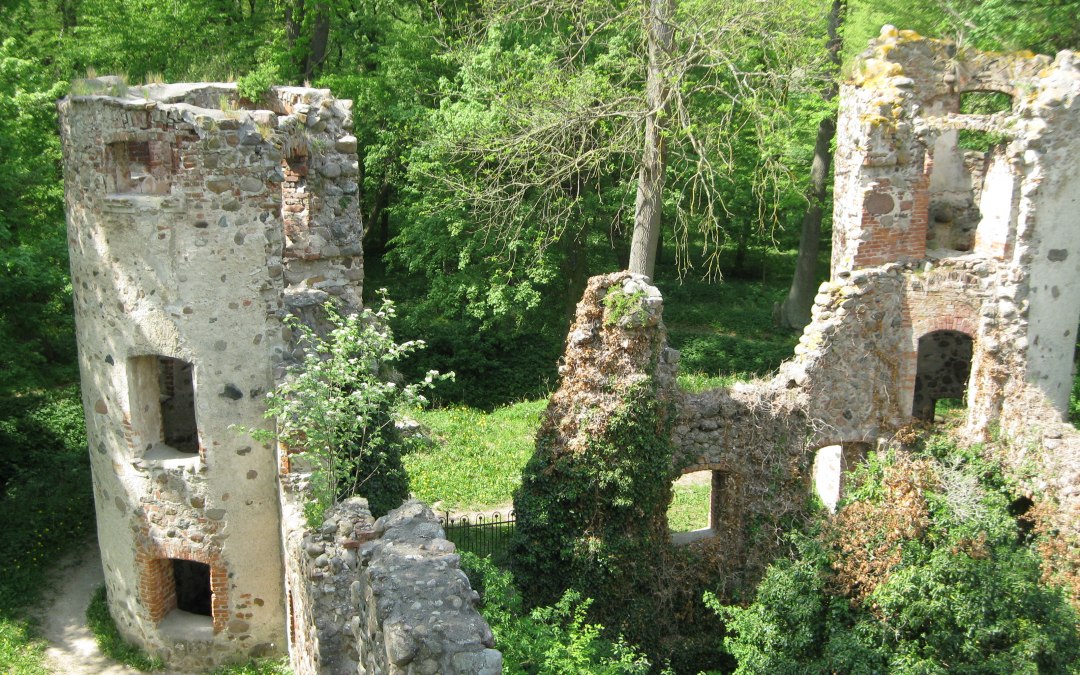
x=926, y=312
x=966, y=324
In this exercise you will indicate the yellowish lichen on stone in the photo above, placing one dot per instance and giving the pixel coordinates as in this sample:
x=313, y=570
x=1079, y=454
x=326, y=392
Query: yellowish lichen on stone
x=873, y=71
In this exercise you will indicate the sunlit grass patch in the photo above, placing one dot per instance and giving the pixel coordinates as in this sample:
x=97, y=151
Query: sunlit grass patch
x=21, y=652
x=108, y=638
x=689, y=508
x=476, y=458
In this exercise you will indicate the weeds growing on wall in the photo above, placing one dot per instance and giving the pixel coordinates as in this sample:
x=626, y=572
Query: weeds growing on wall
x=592, y=519
x=924, y=569
x=339, y=407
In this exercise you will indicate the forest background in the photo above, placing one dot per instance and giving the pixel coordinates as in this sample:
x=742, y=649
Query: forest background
x=501, y=146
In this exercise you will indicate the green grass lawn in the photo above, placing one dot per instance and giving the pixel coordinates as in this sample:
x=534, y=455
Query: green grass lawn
x=476, y=457
x=689, y=508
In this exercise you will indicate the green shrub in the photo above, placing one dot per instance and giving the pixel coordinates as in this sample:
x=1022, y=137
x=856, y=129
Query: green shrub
x=46, y=500
x=552, y=640
x=339, y=407
x=593, y=519
x=953, y=588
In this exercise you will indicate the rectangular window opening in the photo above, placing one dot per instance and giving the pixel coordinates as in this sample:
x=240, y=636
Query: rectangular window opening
x=193, y=593
x=162, y=404
x=139, y=167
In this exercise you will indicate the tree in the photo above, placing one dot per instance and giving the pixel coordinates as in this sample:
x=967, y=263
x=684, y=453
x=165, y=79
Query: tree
x=649, y=205
x=562, y=97
x=794, y=311
x=35, y=294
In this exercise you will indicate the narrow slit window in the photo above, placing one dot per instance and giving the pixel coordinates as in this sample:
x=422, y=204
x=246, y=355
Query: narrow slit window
x=176, y=394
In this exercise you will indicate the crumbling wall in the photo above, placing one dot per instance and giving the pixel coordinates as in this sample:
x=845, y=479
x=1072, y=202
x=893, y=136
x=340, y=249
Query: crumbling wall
x=906, y=192
x=382, y=596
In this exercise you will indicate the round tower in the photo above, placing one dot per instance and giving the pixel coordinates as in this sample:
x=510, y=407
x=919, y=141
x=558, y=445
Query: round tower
x=196, y=222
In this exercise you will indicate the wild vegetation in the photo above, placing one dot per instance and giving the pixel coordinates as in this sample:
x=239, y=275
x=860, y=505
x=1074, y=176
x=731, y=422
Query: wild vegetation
x=501, y=147
x=928, y=566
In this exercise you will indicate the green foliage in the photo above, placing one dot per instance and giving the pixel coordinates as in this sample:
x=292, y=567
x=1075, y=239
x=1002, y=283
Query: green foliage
x=44, y=445
x=964, y=595
x=108, y=638
x=620, y=305
x=35, y=294
x=21, y=652
x=552, y=640
x=339, y=405
x=726, y=329
x=475, y=458
x=592, y=519
x=46, y=505
x=1002, y=25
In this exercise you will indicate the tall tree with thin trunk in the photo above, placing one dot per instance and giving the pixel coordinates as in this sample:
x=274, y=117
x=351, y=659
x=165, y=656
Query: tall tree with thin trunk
x=649, y=204
x=794, y=311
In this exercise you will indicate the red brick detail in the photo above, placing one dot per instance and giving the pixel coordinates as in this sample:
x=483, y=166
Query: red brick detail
x=157, y=588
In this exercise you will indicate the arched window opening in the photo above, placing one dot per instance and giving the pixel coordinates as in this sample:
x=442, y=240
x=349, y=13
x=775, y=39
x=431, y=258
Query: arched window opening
x=941, y=377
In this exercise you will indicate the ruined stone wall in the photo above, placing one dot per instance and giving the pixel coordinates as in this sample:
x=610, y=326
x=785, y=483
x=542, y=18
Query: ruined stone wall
x=182, y=268
x=906, y=192
x=385, y=596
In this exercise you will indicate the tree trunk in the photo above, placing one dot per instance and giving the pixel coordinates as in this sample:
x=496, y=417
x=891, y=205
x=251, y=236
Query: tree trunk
x=320, y=35
x=649, y=204
x=794, y=311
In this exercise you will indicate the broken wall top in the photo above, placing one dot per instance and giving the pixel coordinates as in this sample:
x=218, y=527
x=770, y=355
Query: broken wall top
x=897, y=155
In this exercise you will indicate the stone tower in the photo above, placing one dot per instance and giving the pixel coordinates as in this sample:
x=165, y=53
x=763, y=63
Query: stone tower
x=196, y=222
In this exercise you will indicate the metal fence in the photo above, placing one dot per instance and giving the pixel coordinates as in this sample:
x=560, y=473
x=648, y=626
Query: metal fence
x=486, y=535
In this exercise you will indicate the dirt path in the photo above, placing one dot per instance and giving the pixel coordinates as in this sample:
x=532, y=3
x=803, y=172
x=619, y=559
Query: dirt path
x=72, y=650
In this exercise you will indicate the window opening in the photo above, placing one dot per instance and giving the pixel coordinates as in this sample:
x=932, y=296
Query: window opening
x=983, y=103
x=944, y=366
x=295, y=199
x=827, y=471
x=140, y=167
x=161, y=396
x=176, y=392
x=691, y=502
x=700, y=505
x=193, y=592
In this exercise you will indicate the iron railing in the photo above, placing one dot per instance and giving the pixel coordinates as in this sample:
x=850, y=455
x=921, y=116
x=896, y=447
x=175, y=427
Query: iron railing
x=486, y=535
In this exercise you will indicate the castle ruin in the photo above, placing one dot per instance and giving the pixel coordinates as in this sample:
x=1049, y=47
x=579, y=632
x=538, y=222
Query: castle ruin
x=197, y=223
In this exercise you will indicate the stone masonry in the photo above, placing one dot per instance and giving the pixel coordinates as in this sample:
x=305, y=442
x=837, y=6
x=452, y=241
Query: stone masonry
x=197, y=221
x=952, y=278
